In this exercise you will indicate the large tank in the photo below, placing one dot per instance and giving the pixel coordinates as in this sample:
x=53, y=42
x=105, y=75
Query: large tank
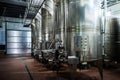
x=61, y=21
x=33, y=35
x=47, y=23
x=38, y=32
x=83, y=29
x=112, y=39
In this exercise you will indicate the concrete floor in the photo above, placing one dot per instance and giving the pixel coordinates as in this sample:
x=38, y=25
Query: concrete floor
x=27, y=68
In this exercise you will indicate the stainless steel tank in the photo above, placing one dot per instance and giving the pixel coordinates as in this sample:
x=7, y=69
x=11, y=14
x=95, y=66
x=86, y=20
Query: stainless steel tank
x=33, y=35
x=38, y=32
x=47, y=23
x=61, y=11
x=59, y=29
x=112, y=39
x=83, y=29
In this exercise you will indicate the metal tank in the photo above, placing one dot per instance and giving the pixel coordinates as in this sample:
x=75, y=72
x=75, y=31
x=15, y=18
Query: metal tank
x=33, y=37
x=59, y=29
x=61, y=19
x=38, y=32
x=112, y=39
x=47, y=23
x=83, y=29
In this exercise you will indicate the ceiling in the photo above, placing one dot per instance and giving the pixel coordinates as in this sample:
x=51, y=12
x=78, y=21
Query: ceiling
x=12, y=8
x=19, y=8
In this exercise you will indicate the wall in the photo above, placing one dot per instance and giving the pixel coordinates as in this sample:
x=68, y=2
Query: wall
x=18, y=38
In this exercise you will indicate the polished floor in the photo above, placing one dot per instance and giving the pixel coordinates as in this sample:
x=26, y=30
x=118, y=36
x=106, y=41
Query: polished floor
x=27, y=68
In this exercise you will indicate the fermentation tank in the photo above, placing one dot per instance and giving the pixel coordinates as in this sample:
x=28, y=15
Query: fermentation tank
x=112, y=39
x=33, y=35
x=83, y=29
x=47, y=23
x=38, y=31
x=61, y=21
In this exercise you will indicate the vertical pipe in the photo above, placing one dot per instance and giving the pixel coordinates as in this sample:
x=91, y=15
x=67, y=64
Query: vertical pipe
x=32, y=39
x=65, y=31
x=62, y=21
x=4, y=11
x=105, y=25
x=6, y=35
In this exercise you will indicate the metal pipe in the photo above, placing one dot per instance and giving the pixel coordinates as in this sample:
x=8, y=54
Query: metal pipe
x=105, y=25
x=27, y=10
x=4, y=11
x=40, y=7
x=65, y=26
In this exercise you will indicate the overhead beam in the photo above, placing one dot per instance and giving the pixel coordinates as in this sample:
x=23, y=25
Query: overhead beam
x=18, y=3
x=15, y=2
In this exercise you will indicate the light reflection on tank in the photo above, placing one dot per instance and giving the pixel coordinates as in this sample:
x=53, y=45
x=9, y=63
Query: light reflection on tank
x=112, y=39
x=83, y=29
